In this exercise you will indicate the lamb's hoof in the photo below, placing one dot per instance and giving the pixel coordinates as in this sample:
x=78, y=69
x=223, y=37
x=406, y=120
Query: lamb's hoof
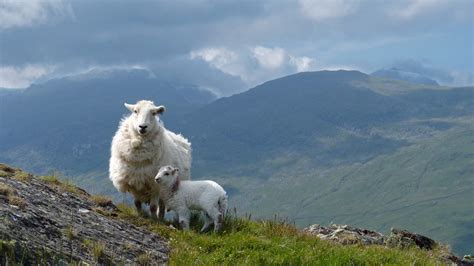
x=205, y=229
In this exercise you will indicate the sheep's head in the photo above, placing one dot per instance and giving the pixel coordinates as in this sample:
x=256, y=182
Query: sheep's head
x=145, y=116
x=167, y=175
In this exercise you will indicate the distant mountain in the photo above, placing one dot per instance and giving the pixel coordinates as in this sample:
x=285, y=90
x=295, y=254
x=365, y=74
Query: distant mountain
x=326, y=116
x=331, y=145
x=399, y=74
x=67, y=123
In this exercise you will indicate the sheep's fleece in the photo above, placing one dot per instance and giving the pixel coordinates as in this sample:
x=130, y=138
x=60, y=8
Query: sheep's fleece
x=137, y=157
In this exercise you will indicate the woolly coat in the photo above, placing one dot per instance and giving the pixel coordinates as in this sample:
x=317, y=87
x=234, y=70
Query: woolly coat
x=136, y=159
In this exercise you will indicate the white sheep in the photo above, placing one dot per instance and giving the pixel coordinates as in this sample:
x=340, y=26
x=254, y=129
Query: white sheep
x=140, y=146
x=183, y=196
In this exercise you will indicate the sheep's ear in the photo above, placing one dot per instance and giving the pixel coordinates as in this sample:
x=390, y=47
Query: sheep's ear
x=130, y=107
x=159, y=110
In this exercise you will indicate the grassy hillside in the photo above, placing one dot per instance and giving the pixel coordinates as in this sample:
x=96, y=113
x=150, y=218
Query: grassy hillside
x=426, y=187
x=242, y=241
x=272, y=242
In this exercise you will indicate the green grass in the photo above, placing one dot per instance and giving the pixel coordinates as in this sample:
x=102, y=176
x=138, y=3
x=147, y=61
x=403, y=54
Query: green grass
x=64, y=185
x=247, y=242
x=96, y=248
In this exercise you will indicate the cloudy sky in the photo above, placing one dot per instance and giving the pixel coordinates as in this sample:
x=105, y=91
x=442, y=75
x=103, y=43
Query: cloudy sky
x=232, y=45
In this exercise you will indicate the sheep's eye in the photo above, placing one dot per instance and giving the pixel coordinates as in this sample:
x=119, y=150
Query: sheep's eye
x=167, y=174
x=135, y=111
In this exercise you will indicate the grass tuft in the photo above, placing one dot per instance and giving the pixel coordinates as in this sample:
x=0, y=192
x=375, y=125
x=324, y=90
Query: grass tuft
x=9, y=194
x=144, y=259
x=51, y=179
x=5, y=190
x=66, y=185
x=102, y=201
x=22, y=176
x=17, y=201
x=96, y=248
x=70, y=233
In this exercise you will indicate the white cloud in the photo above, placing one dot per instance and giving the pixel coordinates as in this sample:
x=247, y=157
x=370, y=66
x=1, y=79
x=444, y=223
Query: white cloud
x=255, y=64
x=303, y=63
x=18, y=78
x=22, y=13
x=319, y=10
x=416, y=8
x=269, y=58
x=223, y=59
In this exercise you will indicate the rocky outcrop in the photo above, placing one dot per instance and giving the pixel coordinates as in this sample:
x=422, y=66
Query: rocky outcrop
x=44, y=221
x=347, y=235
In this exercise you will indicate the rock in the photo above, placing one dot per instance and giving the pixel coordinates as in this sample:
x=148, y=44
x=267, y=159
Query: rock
x=403, y=238
x=468, y=260
x=346, y=235
x=58, y=228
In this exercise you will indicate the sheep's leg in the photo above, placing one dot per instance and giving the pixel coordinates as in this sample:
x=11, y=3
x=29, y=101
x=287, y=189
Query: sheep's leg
x=138, y=205
x=207, y=222
x=162, y=210
x=153, y=209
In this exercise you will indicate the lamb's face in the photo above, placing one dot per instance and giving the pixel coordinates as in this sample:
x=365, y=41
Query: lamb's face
x=145, y=116
x=166, y=175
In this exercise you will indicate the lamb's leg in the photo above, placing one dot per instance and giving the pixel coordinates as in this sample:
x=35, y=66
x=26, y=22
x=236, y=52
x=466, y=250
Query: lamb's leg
x=162, y=210
x=184, y=217
x=218, y=218
x=207, y=222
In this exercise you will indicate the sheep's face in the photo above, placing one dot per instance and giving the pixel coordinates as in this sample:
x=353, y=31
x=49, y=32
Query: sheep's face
x=167, y=175
x=145, y=116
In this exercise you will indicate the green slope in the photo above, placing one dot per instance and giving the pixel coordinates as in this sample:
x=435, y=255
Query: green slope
x=427, y=187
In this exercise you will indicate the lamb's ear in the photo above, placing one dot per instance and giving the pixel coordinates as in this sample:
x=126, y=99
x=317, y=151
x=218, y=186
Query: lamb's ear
x=175, y=171
x=159, y=110
x=130, y=107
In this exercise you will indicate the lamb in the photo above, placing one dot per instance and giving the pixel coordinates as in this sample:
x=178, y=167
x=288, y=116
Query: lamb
x=140, y=146
x=183, y=196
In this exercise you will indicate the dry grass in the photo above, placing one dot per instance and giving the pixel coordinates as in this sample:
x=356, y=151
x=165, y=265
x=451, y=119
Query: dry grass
x=9, y=194
x=65, y=186
x=102, y=201
x=4, y=174
x=17, y=201
x=5, y=190
x=144, y=259
x=6, y=170
x=51, y=179
x=22, y=176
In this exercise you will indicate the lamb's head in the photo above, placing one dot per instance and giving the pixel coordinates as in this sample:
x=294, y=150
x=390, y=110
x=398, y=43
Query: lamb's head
x=145, y=116
x=167, y=175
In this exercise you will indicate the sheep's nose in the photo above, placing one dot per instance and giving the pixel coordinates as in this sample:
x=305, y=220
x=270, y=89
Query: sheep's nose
x=142, y=127
x=157, y=179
